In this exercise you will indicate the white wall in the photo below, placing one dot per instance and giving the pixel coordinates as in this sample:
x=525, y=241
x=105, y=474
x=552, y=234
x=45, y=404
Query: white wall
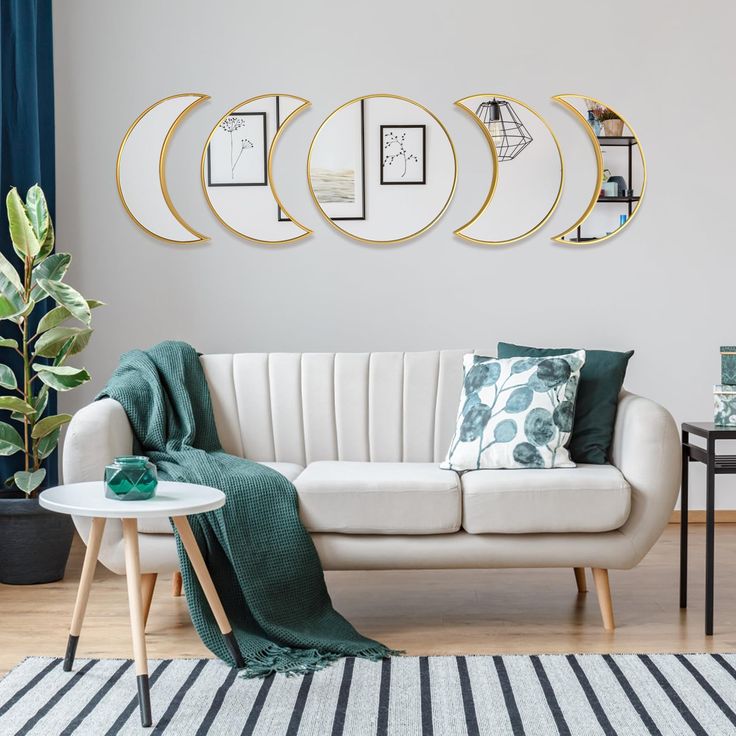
x=662, y=287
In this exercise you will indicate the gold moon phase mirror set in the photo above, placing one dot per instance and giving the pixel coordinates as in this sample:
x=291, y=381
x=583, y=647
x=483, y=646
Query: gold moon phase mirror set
x=382, y=169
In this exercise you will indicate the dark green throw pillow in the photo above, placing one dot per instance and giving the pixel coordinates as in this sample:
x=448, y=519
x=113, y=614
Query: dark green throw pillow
x=595, y=408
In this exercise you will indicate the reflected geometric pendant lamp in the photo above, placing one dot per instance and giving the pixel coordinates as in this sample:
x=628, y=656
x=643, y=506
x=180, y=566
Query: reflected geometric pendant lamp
x=507, y=131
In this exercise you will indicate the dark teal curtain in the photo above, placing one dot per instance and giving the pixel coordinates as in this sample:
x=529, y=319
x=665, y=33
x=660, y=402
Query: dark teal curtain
x=26, y=138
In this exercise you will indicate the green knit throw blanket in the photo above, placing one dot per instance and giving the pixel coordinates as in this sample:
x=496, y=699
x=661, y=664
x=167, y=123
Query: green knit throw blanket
x=262, y=560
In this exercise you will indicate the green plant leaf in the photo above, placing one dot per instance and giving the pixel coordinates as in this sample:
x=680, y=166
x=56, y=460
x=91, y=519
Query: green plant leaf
x=6, y=342
x=49, y=345
x=37, y=212
x=68, y=297
x=27, y=309
x=10, y=441
x=47, y=444
x=7, y=377
x=11, y=290
x=59, y=314
x=60, y=377
x=8, y=271
x=52, y=318
x=39, y=401
x=28, y=482
x=52, y=269
x=49, y=424
x=61, y=355
x=48, y=244
x=13, y=403
x=24, y=239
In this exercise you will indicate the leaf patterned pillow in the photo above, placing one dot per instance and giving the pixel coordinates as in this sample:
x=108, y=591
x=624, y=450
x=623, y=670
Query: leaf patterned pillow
x=515, y=413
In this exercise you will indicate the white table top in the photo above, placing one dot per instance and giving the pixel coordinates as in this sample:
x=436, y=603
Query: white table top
x=171, y=499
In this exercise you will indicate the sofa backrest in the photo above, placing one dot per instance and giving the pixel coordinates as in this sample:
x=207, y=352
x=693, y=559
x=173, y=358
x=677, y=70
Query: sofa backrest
x=303, y=407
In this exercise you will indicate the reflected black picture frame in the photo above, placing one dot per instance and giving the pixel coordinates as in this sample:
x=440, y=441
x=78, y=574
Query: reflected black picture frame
x=279, y=212
x=258, y=183
x=362, y=166
x=424, y=155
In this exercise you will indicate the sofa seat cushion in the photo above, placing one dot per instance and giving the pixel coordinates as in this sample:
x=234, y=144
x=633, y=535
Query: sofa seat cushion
x=162, y=526
x=589, y=498
x=379, y=498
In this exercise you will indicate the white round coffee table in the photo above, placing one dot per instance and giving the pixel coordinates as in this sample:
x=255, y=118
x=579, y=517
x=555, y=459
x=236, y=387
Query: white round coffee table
x=173, y=500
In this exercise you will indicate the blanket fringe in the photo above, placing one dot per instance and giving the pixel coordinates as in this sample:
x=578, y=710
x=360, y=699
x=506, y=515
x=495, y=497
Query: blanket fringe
x=294, y=662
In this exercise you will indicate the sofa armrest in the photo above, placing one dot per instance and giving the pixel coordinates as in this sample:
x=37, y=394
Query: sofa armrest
x=646, y=449
x=96, y=435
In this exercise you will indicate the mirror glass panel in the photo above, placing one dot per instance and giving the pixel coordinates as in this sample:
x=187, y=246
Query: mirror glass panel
x=527, y=170
x=382, y=169
x=622, y=171
x=141, y=171
x=236, y=173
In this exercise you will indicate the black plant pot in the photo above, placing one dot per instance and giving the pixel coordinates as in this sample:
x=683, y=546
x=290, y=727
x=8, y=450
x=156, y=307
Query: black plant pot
x=34, y=542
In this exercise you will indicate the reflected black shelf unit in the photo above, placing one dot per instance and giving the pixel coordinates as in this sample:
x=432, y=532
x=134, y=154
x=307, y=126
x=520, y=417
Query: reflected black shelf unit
x=615, y=141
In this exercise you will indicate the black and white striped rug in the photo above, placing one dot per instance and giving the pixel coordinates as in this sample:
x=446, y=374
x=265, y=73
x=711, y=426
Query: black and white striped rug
x=625, y=694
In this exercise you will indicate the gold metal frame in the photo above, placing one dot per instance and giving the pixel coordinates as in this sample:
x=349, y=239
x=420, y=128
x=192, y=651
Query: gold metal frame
x=494, y=180
x=599, y=162
x=199, y=238
x=272, y=148
x=406, y=237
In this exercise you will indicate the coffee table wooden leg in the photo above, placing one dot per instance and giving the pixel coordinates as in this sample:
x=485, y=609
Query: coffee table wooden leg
x=195, y=557
x=148, y=583
x=85, y=583
x=137, y=625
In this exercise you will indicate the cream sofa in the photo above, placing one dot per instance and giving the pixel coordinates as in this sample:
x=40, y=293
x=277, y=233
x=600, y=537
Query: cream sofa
x=361, y=436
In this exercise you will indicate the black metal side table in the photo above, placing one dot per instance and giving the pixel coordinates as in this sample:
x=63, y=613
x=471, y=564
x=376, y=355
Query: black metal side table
x=714, y=465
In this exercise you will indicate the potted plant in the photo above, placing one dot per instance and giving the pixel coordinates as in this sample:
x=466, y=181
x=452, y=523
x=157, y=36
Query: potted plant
x=612, y=123
x=35, y=543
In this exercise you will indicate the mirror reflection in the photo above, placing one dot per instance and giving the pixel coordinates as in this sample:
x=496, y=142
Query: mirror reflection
x=382, y=169
x=527, y=170
x=622, y=171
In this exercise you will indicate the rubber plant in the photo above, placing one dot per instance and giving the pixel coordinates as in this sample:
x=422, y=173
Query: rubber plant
x=44, y=351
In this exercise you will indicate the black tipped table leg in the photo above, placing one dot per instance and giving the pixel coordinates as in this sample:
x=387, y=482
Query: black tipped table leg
x=71, y=651
x=232, y=647
x=144, y=700
x=208, y=587
x=85, y=583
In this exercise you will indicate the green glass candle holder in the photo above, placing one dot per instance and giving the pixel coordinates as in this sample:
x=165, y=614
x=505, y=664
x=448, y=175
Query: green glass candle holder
x=131, y=478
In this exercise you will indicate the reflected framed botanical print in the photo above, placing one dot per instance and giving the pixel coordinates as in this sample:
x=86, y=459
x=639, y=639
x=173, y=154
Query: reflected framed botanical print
x=337, y=171
x=403, y=154
x=237, y=153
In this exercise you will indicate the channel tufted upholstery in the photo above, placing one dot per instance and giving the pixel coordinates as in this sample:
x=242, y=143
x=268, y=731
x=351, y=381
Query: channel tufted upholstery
x=360, y=407
x=361, y=436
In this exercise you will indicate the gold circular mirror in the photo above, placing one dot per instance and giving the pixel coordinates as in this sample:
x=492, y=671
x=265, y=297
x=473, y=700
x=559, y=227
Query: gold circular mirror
x=382, y=169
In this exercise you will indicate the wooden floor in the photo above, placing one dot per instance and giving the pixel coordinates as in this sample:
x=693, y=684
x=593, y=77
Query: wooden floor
x=427, y=612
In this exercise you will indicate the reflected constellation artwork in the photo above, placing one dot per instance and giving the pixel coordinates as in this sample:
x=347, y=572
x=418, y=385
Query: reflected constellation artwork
x=403, y=154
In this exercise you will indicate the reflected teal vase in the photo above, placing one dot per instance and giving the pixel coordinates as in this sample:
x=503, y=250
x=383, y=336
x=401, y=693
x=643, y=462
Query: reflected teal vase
x=131, y=478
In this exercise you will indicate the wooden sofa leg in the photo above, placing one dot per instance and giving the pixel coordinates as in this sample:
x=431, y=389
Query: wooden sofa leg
x=176, y=584
x=603, y=589
x=580, y=579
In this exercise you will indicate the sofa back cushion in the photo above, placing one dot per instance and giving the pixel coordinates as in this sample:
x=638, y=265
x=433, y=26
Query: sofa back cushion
x=305, y=407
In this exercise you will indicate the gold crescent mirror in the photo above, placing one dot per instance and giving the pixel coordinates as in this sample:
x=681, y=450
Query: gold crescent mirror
x=140, y=170
x=621, y=175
